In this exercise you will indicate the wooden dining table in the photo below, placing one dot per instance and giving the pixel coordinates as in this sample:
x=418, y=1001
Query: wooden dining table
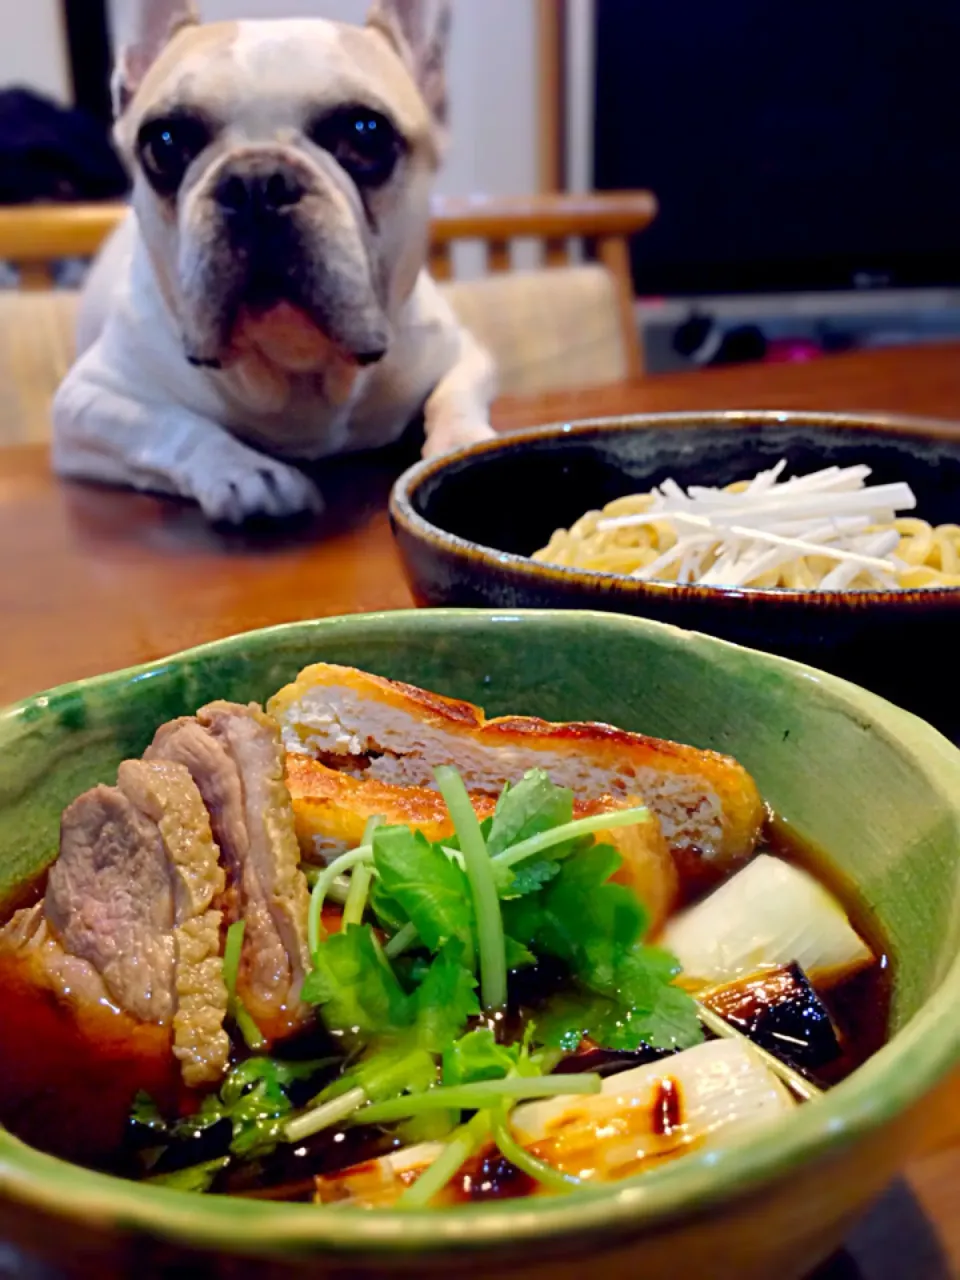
x=92, y=579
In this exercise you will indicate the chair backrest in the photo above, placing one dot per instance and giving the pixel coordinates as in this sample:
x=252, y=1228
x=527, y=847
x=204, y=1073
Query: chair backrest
x=603, y=222
x=551, y=330
x=34, y=237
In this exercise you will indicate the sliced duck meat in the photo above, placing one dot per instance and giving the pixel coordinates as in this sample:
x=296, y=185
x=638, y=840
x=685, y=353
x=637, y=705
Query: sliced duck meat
x=235, y=757
x=709, y=807
x=110, y=901
x=187, y=742
x=332, y=809
x=128, y=914
x=166, y=794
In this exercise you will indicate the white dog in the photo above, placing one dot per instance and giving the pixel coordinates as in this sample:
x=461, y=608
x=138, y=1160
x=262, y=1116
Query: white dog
x=267, y=300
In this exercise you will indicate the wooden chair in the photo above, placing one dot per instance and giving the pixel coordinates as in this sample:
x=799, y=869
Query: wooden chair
x=559, y=326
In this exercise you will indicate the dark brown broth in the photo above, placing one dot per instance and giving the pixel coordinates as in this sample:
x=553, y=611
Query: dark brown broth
x=859, y=1006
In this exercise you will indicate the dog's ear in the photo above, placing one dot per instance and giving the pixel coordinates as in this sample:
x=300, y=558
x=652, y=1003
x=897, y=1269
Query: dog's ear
x=419, y=30
x=145, y=27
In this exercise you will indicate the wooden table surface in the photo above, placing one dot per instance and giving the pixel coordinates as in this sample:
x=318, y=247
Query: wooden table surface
x=93, y=579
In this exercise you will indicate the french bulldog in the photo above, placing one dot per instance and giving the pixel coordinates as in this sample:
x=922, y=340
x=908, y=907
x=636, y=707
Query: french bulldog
x=266, y=300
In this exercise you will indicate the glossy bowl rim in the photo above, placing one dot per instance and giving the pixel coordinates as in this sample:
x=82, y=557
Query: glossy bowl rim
x=899, y=1075
x=405, y=517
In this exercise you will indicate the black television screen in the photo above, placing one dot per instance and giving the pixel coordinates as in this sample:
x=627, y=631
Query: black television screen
x=812, y=145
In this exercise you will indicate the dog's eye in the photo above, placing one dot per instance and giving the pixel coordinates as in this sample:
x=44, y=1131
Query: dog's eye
x=362, y=141
x=168, y=147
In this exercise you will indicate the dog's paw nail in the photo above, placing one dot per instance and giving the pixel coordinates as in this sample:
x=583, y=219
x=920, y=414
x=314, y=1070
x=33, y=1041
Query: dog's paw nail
x=263, y=491
x=290, y=492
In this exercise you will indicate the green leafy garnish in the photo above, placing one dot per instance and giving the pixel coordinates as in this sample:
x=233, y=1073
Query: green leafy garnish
x=530, y=807
x=357, y=991
x=477, y=1056
x=390, y=915
x=527, y=878
x=255, y=1101
x=196, y=1178
x=430, y=889
x=594, y=926
x=445, y=1001
x=146, y=1112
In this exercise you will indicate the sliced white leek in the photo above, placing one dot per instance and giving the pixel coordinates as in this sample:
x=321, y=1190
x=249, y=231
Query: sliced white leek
x=377, y=1183
x=641, y=1117
x=770, y=913
x=655, y=1112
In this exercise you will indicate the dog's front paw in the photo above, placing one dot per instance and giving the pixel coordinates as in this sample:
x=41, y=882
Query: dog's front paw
x=445, y=436
x=232, y=483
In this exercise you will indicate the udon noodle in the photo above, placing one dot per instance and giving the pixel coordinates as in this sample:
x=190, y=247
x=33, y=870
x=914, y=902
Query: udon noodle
x=671, y=536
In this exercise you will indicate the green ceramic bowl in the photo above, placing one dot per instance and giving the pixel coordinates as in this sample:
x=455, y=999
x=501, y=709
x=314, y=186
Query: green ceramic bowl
x=875, y=787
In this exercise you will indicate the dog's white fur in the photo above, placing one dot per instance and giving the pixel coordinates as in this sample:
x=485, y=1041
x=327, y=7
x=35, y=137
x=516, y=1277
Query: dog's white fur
x=133, y=411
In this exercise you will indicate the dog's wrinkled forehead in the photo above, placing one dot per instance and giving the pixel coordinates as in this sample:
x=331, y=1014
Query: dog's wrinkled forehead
x=263, y=77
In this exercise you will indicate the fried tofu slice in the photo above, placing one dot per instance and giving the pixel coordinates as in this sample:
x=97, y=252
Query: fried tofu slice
x=709, y=808
x=332, y=810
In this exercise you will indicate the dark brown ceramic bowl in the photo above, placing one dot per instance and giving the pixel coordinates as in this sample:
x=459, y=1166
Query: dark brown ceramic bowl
x=468, y=523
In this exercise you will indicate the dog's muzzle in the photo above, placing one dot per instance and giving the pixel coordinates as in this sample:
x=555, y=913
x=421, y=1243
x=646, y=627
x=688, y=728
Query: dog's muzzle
x=284, y=237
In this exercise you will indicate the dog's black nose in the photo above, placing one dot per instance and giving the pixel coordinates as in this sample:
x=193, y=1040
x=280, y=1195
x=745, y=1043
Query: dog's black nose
x=366, y=358
x=253, y=194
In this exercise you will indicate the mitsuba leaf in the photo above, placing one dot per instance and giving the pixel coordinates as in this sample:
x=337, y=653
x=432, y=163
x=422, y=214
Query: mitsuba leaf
x=477, y=1056
x=526, y=877
x=355, y=987
x=517, y=955
x=146, y=1112
x=390, y=915
x=594, y=926
x=568, y=1018
x=197, y=1178
x=276, y=1074
x=531, y=806
x=445, y=1000
x=673, y=1022
x=671, y=1025
x=440, y=1006
x=258, y=1120
x=579, y=916
x=429, y=888
x=253, y=1099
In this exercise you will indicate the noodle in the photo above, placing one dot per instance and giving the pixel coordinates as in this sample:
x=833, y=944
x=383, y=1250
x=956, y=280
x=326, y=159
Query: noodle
x=925, y=555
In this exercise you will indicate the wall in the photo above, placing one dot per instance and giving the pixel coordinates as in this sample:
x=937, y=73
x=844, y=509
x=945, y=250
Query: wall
x=32, y=51
x=580, y=71
x=492, y=83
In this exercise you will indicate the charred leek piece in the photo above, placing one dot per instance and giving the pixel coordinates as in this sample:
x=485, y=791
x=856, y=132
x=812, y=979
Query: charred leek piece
x=778, y=1010
x=798, y=1085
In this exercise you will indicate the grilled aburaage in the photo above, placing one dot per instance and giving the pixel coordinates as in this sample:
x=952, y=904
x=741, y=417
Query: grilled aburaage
x=367, y=945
